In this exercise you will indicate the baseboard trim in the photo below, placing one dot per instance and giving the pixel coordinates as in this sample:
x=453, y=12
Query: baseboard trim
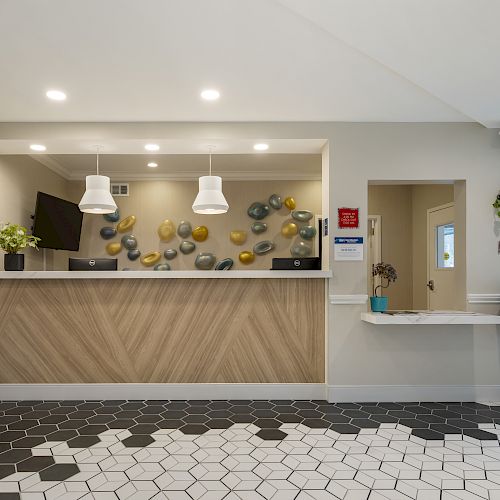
x=161, y=391
x=483, y=298
x=381, y=393
x=348, y=299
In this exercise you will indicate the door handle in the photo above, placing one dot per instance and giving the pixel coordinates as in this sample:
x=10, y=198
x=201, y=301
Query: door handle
x=430, y=285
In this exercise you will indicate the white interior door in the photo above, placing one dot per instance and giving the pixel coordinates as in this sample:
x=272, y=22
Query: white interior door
x=441, y=292
x=374, y=246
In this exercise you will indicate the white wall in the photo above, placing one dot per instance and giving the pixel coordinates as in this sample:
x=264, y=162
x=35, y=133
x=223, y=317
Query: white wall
x=441, y=362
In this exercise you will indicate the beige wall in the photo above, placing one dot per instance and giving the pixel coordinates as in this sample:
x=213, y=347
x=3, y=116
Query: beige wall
x=394, y=205
x=20, y=179
x=154, y=201
x=423, y=197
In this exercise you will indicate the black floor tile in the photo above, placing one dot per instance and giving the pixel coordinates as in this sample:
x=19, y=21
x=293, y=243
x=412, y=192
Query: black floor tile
x=14, y=456
x=445, y=428
x=478, y=419
x=355, y=413
x=316, y=423
x=28, y=442
x=144, y=429
x=227, y=413
x=194, y=429
x=261, y=405
x=8, y=436
x=6, y=470
x=219, y=423
x=414, y=423
x=83, y=441
x=344, y=428
x=462, y=424
x=195, y=419
x=304, y=405
x=173, y=414
x=265, y=413
x=10, y=496
x=428, y=434
x=59, y=472
x=242, y=418
x=137, y=441
x=22, y=425
x=480, y=434
x=384, y=419
x=391, y=406
x=219, y=405
x=365, y=423
x=267, y=423
x=92, y=430
x=432, y=419
x=271, y=434
x=290, y=418
x=62, y=435
x=121, y=424
x=417, y=409
x=335, y=418
x=34, y=464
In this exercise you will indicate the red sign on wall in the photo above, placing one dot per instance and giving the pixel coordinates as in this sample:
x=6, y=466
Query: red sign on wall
x=348, y=218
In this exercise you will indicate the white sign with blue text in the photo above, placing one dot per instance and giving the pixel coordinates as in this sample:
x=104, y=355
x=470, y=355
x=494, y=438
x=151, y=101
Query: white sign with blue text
x=348, y=248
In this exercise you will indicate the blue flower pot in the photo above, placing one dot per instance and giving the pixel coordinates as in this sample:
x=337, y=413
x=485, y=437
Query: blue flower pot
x=379, y=304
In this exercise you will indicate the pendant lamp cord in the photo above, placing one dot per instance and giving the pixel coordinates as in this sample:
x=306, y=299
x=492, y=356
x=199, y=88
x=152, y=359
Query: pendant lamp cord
x=210, y=160
x=97, y=159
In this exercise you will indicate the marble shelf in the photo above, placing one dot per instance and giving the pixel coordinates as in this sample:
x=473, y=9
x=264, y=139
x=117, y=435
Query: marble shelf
x=431, y=318
x=16, y=275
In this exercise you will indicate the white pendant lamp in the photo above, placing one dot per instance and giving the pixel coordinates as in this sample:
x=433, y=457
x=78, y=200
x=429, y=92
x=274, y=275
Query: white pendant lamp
x=210, y=199
x=97, y=198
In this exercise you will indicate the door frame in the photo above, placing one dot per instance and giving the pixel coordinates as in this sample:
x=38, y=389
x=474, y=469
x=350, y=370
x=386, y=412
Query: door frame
x=375, y=225
x=430, y=258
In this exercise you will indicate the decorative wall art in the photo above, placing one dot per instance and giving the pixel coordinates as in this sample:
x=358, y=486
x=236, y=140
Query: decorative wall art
x=238, y=237
x=187, y=247
x=258, y=210
x=289, y=229
x=200, y=233
x=263, y=247
x=166, y=230
x=290, y=203
x=107, y=233
x=258, y=227
x=205, y=261
x=162, y=267
x=170, y=253
x=246, y=257
x=150, y=259
x=114, y=217
x=224, y=264
x=129, y=241
x=113, y=248
x=133, y=254
x=275, y=201
x=126, y=224
x=184, y=230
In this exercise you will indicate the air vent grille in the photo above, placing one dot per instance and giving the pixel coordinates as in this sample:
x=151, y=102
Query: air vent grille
x=120, y=189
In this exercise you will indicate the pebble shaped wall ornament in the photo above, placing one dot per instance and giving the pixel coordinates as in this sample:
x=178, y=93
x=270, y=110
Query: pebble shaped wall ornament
x=114, y=217
x=107, y=232
x=289, y=229
x=258, y=210
x=133, y=254
x=238, y=237
x=113, y=248
x=246, y=257
x=275, y=201
x=302, y=215
x=300, y=250
x=205, y=261
x=224, y=264
x=200, y=233
x=187, y=247
x=258, y=227
x=290, y=203
x=126, y=224
x=129, y=241
x=170, y=253
x=166, y=230
x=184, y=229
x=307, y=232
x=150, y=259
x=162, y=267
x=263, y=247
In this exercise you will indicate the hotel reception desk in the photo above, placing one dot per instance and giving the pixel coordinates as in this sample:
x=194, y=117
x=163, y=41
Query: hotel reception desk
x=162, y=327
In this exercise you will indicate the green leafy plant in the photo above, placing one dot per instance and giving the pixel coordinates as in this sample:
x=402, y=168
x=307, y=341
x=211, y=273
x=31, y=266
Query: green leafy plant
x=386, y=272
x=496, y=205
x=14, y=238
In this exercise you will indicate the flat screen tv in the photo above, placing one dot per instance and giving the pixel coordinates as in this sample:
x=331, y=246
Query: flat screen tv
x=57, y=222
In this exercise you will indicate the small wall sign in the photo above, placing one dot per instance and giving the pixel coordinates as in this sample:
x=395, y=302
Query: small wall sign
x=348, y=218
x=348, y=248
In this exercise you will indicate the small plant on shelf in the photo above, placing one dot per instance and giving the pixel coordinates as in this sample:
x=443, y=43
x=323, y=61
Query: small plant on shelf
x=496, y=205
x=14, y=238
x=387, y=274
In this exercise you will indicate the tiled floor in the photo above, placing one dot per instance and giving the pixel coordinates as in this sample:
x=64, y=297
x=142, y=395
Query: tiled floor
x=309, y=450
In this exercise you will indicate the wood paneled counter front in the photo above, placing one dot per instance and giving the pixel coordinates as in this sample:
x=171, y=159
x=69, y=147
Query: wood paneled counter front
x=243, y=330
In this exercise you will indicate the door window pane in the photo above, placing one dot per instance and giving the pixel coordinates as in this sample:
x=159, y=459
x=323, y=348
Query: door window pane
x=445, y=237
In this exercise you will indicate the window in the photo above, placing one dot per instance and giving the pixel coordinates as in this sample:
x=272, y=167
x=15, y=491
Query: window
x=445, y=251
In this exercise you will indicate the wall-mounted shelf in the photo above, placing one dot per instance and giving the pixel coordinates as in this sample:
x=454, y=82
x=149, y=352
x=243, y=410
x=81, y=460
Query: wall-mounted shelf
x=431, y=318
x=43, y=275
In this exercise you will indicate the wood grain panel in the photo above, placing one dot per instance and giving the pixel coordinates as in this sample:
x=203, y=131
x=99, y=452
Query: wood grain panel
x=162, y=331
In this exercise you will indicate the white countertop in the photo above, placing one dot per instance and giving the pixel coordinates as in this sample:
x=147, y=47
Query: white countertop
x=431, y=318
x=17, y=275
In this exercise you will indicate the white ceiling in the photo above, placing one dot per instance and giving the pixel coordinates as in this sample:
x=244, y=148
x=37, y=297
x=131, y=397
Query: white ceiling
x=289, y=60
x=129, y=167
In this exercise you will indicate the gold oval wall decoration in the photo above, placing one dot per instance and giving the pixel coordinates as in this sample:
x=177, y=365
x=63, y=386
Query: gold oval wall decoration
x=246, y=257
x=238, y=237
x=113, y=248
x=200, y=233
x=166, y=230
x=290, y=203
x=289, y=229
x=126, y=224
x=150, y=259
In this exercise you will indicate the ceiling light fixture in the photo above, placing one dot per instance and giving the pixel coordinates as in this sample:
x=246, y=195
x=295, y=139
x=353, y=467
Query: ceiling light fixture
x=261, y=147
x=151, y=147
x=152, y=164
x=97, y=198
x=37, y=147
x=210, y=94
x=56, y=95
x=210, y=199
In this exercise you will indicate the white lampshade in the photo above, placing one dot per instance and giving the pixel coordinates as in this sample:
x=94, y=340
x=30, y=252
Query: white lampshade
x=210, y=199
x=97, y=198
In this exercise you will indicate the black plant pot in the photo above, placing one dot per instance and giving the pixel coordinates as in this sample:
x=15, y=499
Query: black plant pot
x=13, y=262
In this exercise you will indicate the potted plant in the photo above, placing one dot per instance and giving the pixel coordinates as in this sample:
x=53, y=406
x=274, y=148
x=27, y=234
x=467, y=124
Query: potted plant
x=12, y=239
x=388, y=274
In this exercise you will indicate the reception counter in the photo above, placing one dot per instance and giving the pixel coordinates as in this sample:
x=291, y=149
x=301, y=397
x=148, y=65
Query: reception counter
x=134, y=327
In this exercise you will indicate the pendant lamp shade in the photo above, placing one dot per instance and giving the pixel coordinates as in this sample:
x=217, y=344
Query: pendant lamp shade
x=97, y=198
x=210, y=199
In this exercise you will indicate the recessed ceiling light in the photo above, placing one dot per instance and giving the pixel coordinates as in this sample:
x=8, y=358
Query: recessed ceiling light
x=37, y=147
x=210, y=95
x=151, y=147
x=261, y=147
x=56, y=95
x=152, y=164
